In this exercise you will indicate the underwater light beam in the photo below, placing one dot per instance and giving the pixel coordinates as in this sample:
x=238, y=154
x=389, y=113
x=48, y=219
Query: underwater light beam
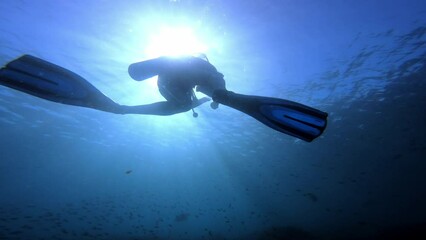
x=174, y=41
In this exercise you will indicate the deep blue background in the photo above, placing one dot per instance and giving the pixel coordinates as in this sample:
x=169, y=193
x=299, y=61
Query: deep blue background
x=76, y=173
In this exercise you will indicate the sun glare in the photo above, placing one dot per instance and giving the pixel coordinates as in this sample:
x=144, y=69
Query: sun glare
x=174, y=41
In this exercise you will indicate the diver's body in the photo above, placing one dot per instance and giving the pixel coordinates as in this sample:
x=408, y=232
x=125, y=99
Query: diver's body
x=177, y=78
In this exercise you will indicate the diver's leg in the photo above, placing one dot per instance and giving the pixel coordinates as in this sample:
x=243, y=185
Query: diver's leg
x=159, y=108
x=198, y=102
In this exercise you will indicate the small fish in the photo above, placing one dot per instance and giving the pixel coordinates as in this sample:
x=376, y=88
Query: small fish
x=128, y=171
x=311, y=197
x=182, y=217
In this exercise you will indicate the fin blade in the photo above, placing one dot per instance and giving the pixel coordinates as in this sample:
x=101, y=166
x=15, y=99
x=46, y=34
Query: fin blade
x=285, y=116
x=301, y=124
x=46, y=80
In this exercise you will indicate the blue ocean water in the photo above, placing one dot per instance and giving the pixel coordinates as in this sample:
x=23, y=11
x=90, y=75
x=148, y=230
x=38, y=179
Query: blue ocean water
x=76, y=173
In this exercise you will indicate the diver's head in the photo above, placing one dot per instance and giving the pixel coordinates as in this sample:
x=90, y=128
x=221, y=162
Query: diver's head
x=201, y=56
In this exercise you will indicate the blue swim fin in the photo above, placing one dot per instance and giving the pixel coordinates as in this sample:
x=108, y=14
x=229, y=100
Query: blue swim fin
x=46, y=80
x=288, y=117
